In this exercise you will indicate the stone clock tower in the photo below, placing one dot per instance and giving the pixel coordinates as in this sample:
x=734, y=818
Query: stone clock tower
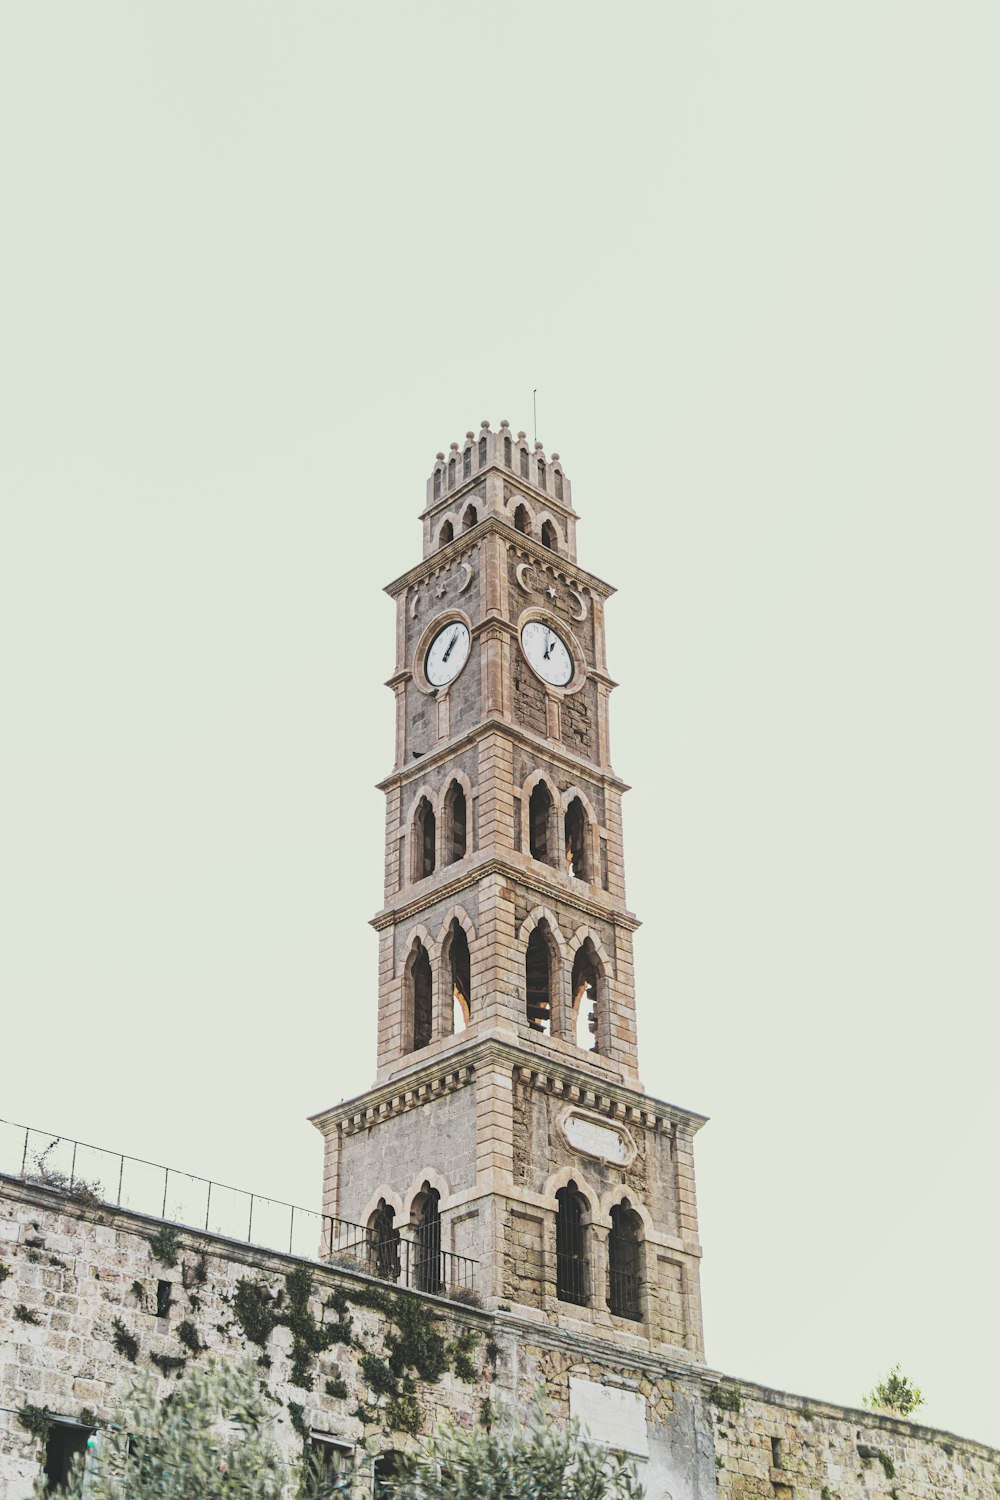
x=507, y=1125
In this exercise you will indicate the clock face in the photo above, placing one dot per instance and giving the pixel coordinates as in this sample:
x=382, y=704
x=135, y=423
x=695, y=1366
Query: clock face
x=446, y=654
x=548, y=653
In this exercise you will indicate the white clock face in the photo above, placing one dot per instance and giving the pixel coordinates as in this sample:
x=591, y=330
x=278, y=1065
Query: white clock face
x=447, y=653
x=547, y=652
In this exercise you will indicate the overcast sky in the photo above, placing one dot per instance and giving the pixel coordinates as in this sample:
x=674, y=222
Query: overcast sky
x=260, y=263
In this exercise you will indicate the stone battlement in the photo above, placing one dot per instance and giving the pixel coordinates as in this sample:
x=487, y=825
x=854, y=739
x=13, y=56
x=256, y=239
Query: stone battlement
x=504, y=449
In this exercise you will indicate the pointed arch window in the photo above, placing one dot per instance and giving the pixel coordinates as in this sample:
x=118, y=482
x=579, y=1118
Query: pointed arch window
x=559, y=484
x=540, y=807
x=522, y=521
x=456, y=837
x=447, y=534
x=541, y=473
x=458, y=961
x=508, y=453
x=524, y=463
x=586, y=1022
x=625, y=1262
x=470, y=518
x=451, y=473
x=571, y=1265
x=467, y=463
x=437, y=484
x=383, y=1243
x=482, y=451
x=420, y=984
x=427, y=1242
x=550, y=537
x=424, y=840
x=575, y=829
x=538, y=980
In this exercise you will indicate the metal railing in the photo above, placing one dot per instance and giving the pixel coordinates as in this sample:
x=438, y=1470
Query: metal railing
x=571, y=1277
x=94, y=1176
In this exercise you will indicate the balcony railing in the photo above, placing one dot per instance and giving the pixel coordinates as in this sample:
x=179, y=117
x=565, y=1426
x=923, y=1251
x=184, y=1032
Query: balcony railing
x=94, y=1176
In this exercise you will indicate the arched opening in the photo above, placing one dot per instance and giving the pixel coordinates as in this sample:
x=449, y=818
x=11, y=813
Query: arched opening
x=550, y=537
x=470, y=518
x=424, y=840
x=575, y=827
x=451, y=473
x=385, y=1470
x=427, y=1240
x=383, y=1243
x=507, y=452
x=585, y=998
x=482, y=451
x=437, y=484
x=458, y=962
x=539, y=822
x=447, y=534
x=421, y=997
x=455, y=824
x=541, y=473
x=467, y=463
x=559, y=484
x=625, y=1262
x=538, y=980
x=571, y=1266
x=522, y=521
x=524, y=463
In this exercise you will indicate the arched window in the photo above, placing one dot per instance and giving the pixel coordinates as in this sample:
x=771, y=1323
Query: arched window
x=437, y=484
x=538, y=981
x=575, y=825
x=539, y=823
x=451, y=473
x=524, y=463
x=559, y=484
x=522, y=521
x=383, y=1243
x=424, y=840
x=571, y=1265
x=541, y=473
x=421, y=994
x=585, y=998
x=458, y=961
x=455, y=824
x=625, y=1262
x=507, y=453
x=427, y=1243
x=466, y=463
x=550, y=537
x=447, y=534
x=470, y=518
x=385, y=1469
x=482, y=451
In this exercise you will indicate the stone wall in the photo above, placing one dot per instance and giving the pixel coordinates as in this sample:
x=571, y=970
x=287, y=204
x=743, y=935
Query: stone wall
x=79, y=1282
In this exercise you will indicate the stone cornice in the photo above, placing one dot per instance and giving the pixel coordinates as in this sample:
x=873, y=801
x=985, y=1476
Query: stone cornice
x=459, y=1069
x=494, y=526
x=496, y=724
x=475, y=484
x=584, y=1343
x=496, y=864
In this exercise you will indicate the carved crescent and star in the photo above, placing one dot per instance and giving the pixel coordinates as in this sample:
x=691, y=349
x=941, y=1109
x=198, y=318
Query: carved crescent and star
x=527, y=582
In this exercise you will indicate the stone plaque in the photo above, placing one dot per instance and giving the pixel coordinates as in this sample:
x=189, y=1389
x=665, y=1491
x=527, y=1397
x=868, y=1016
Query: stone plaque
x=610, y=1415
x=595, y=1137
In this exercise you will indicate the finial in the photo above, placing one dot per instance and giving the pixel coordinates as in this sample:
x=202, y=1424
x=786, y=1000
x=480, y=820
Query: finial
x=505, y=423
x=555, y=458
x=537, y=446
x=522, y=434
x=440, y=458
x=470, y=434
x=486, y=425
x=454, y=447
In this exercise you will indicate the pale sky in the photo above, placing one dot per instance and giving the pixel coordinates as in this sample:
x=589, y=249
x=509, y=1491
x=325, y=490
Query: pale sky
x=260, y=262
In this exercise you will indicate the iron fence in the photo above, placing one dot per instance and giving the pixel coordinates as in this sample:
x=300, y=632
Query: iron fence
x=95, y=1176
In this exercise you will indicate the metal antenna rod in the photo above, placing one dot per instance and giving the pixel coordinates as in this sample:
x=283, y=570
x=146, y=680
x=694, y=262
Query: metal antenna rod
x=534, y=407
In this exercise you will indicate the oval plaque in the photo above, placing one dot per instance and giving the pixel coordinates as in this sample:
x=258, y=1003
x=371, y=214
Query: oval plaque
x=592, y=1137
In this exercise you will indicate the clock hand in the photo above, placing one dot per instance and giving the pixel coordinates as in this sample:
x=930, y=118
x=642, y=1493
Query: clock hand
x=450, y=644
x=551, y=643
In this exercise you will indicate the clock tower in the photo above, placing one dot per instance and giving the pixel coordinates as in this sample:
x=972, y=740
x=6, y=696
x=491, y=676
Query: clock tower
x=507, y=1138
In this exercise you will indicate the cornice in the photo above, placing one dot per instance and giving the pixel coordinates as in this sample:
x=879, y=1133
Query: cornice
x=432, y=1080
x=495, y=723
x=472, y=485
x=609, y=1354
x=494, y=526
x=496, y=864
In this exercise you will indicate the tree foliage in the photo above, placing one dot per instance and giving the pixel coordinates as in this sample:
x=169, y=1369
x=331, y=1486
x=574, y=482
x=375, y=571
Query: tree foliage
x=537, y=1462
x=212, y=1437
x=896, y=1394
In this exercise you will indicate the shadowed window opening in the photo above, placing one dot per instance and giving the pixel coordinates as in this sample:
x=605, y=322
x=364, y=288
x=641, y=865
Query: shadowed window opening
x=538, y=981
x=575, y=826
x=507, y=453
x=421, y=994
x=383, y=1242
x=522, y=521
x=550, y=537
x=163, y=1298
x=329, y=1456
x=451, y=473
x=541, y=473
x=424, y=840
x=427, y=1245
x=539, y=818
x=585, y=999
x=625, y=1262
x=524, y=463
x=482, y=451
x=447, y=533
x=571, y=1281
x=64, y=1441
x=384, y=1471
x=437, y=484
x=470, y=518
x=459, y=964
x=559, y=484
x=456, y=824
x=466, y=463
